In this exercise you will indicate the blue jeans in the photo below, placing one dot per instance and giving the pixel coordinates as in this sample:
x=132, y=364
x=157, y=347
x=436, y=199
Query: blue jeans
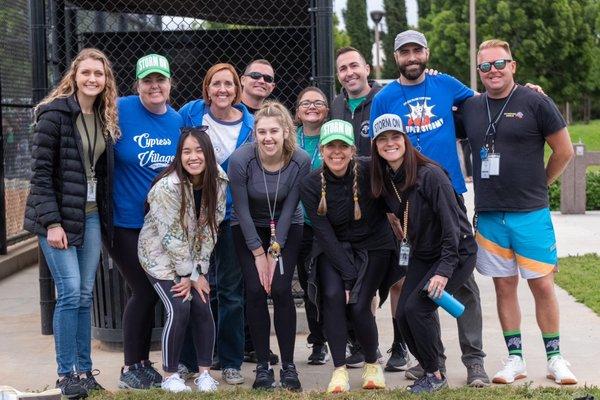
x=74, y=270
x=229, y=290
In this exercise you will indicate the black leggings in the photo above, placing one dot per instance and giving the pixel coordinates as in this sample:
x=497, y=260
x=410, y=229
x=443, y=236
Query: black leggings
x=257, y=313
x=333, y=297
x=180, y=313
x=315, y=326
x=138, y=315
x=416, y=314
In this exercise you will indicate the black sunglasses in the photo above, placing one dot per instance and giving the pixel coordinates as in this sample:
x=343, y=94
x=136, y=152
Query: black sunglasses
x=498, y=64
x=257, y=75
x=188, y=129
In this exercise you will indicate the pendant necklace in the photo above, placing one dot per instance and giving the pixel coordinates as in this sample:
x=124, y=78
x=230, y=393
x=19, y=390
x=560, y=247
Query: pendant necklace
x=274, y=249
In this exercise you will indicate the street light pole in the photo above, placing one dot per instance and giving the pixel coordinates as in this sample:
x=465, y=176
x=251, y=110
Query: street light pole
x=377, y=16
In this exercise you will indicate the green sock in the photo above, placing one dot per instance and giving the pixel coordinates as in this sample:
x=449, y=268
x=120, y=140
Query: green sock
x=551, y=343
x=513, y=343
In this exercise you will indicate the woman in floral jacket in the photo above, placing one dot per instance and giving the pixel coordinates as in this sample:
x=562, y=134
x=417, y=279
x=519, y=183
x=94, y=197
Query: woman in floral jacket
x=185, y=206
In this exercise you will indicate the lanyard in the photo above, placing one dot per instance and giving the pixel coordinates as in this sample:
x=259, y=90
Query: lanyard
x=315, y=151
x=422, y=116
x=490, y=133
x=91, y=147
x=404, y=213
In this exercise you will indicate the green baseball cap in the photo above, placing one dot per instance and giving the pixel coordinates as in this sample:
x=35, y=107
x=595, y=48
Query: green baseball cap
x=337, y=129
x=152, y=63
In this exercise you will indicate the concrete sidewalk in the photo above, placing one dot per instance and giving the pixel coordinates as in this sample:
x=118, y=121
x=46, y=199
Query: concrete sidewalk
x=27, y=357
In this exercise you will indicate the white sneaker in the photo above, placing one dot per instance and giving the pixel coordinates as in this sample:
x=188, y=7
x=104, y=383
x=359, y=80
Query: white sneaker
x=175, y=384
x=514, y=368
x=206, y=383
x=559, y=372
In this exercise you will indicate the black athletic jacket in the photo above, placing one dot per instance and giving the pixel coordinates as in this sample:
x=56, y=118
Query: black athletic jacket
x=438, y=227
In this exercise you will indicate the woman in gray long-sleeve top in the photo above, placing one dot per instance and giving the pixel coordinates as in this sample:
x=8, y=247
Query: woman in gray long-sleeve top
x=267, y=231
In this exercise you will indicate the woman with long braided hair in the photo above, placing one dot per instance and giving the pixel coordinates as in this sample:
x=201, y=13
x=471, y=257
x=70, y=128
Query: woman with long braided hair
x=351, y=253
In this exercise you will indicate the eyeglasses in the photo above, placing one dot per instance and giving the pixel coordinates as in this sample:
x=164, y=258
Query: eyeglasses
x=498, y=64
x=257, y=75
x=316, y=103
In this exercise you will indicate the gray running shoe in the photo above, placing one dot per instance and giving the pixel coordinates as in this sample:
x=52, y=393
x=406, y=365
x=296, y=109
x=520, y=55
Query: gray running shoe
x=477, y=377
x=232, y=376
x=134, y=378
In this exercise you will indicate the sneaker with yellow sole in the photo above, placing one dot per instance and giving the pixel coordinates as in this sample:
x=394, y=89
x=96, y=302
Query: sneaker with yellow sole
x=340, y=382
x=373, y=376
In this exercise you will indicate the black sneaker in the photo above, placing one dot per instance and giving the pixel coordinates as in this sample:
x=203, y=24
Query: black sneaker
x=70, y=386
x=134, y=378
x=89, y=383
x=428, y=383
x=417, y=372
x=265, y=378
x=319, y=354
x=399, y=358
x=354, y=356
x=477, y=377
x=288, y=376
x=250, y=356
x=153, y=375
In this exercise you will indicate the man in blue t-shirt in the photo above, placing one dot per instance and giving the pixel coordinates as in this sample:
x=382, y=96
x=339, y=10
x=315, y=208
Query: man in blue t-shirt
x=424, y=102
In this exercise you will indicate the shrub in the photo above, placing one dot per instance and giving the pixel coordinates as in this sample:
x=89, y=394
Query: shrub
x=592, y=192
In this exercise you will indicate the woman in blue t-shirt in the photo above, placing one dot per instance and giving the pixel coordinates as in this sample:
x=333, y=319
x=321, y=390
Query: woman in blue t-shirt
x=311, y=112
x=150, y=131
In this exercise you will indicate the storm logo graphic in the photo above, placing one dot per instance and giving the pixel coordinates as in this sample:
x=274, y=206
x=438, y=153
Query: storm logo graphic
x=420, y=114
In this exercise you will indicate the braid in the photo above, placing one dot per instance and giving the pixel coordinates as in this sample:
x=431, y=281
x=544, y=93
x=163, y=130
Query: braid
x=357, y=213
x=322, y=210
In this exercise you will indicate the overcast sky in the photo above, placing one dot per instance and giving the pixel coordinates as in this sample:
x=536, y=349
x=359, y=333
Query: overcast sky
x=411, y=10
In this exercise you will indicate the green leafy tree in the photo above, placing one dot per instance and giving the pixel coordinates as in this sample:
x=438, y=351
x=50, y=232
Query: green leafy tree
x=395, y=19
x=355, y=17
x=340, y=37
x=423, y=8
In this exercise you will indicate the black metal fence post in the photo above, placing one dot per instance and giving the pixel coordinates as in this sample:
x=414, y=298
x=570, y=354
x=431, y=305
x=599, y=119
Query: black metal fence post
x=40, y=87
x=324, y=60
x=2, y=193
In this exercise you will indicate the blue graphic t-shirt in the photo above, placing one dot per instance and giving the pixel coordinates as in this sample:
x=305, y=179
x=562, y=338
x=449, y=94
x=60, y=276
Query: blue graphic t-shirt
x=147, y=145
x=426, y=111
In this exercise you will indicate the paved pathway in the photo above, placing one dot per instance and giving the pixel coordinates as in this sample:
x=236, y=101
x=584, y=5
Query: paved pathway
x=27, y=357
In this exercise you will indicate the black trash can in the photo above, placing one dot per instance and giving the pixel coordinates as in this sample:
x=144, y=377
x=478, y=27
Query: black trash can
x=110, y=296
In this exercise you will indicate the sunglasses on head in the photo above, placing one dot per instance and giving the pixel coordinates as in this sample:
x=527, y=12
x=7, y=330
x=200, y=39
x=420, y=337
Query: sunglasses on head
x=498, y=64
x=257, y=75
x=200, y=128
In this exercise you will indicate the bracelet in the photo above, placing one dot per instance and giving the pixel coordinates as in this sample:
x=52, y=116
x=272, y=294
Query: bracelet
x=258, y=255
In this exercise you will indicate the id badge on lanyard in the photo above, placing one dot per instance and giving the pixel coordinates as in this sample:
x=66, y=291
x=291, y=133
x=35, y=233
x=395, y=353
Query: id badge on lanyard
x=404, y=253
x=91, y=189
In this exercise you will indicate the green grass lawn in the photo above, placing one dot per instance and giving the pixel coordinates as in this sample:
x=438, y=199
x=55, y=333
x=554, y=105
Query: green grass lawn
x=589, y=134
x=580, y=276
x=496, y=393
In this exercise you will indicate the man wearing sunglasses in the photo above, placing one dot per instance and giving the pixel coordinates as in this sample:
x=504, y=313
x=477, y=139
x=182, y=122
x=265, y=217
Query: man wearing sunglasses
x=424, y=102
x=508, y=127
x=258, y=82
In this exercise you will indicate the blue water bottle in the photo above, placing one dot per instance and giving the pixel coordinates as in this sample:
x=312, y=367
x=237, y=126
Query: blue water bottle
x=447, y=302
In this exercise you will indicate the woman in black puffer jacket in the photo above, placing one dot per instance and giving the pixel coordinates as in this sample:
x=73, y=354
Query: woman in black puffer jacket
x=76, y=125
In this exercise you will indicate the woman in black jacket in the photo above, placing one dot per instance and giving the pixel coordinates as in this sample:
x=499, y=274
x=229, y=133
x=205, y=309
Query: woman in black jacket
x=76, y=125
x=437, y=245
x=353, y=245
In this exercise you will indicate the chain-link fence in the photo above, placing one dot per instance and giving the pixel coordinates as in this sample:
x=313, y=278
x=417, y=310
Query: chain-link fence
x=193, y=35
x=15, y=86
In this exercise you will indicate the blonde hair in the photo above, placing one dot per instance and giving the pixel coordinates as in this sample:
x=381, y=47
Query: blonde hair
x=107, y=100
x=488, y=44
x=322, y=209
x=274, y=109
